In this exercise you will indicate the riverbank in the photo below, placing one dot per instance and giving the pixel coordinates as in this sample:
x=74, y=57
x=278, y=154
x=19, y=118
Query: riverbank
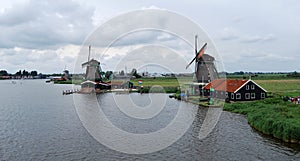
x=271, y=116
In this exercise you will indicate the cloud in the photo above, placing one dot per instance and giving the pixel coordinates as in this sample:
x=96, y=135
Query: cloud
x=238, y=19
x=258, y=38
x=45, y=24
x=228, y=33
x=154, y=55
x=43, y=60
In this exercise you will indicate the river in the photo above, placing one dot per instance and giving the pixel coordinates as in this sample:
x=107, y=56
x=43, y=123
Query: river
x=38, y=123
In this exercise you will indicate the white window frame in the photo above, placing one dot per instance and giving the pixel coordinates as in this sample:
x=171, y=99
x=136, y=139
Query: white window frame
x=238, y=96
x=262, y=95
x=247, y=94
x=252, y=95
x=252, y=86
x=247, y=87
x=232, y=95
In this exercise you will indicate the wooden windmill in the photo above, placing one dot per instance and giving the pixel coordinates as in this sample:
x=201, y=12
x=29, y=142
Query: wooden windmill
x=205, y=70
x=92, y=68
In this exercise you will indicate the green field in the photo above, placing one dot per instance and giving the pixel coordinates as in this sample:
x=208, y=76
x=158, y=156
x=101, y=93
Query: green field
x=286, y=87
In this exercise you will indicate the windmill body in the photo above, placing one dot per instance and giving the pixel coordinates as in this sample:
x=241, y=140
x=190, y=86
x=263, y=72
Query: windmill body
x=92, y=70
x=205, y=70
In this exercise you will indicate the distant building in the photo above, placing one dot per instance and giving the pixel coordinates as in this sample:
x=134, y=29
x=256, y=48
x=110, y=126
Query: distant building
x=66, y=75
x=235, y=90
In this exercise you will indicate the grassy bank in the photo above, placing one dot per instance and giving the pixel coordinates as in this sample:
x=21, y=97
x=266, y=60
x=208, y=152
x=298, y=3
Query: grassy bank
x=158, y=89
x=271, y=116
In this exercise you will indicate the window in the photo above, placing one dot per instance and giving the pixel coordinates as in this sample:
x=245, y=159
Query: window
x=247, y=96
x=263, y=95
x=238, y=96
x=247, y=87
x=232, y=95
x=226, y=94
x=252, y=86
x=252, y=95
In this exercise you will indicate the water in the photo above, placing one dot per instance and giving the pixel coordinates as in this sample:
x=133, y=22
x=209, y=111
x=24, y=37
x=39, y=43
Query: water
x=38, y=123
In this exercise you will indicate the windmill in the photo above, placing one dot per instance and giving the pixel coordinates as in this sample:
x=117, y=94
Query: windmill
x=92, y=68
x=205, y=70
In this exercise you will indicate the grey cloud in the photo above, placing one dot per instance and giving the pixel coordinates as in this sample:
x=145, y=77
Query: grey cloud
x=39, y=24
x=145, y=20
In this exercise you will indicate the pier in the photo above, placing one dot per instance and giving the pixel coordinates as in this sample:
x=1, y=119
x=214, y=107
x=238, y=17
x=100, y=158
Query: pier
x=67, y=92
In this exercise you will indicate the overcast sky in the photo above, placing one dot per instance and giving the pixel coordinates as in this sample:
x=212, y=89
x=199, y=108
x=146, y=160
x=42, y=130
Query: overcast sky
x=249, y=35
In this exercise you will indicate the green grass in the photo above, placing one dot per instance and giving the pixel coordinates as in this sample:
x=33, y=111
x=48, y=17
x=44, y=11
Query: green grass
x=154, y=89
x=287, y=87
x=271, y=116
x=164, y=82
x=261, y=77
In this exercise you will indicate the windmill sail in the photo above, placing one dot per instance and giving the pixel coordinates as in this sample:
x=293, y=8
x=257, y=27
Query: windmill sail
x=198, y=55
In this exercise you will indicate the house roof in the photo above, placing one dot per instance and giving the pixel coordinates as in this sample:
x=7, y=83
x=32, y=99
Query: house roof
x=229, y=85
x=252, y=82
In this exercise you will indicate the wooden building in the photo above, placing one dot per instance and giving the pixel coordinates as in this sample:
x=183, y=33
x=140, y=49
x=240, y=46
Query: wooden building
x=235, y=90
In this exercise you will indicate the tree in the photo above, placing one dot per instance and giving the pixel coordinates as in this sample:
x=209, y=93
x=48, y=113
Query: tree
x=33, y=73
x=3, y=73
x=19, y=73
x=122, y=72
x=108, y=74
x=134, y=73
x=25, y=73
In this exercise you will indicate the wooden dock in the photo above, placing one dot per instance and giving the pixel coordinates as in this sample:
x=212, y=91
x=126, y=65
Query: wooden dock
x=67, y=92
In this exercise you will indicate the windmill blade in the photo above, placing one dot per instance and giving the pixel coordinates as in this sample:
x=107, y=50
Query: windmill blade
x=190, y=63
x=201, y=52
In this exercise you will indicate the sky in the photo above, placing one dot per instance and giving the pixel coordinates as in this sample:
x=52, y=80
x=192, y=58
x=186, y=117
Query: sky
x=49, y=35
